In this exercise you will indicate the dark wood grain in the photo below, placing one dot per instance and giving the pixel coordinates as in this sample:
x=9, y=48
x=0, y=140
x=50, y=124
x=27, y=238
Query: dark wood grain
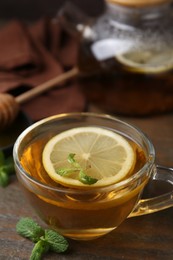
x=141, y=238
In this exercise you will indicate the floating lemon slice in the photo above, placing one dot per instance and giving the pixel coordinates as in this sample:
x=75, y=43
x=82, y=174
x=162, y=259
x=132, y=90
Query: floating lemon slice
x=100, y=155
x=147, y=61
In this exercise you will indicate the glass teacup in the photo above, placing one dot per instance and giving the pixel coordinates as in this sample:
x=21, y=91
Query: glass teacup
x=88, y=213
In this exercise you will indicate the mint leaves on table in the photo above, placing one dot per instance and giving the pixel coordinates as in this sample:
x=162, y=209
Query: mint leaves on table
x=6, y=169
x=76, y=167
x=45, y=240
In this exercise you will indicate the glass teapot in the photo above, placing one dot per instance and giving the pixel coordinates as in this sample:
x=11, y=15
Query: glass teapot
x=130, y=47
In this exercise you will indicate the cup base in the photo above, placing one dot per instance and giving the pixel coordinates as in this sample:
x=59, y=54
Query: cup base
x=85, y=234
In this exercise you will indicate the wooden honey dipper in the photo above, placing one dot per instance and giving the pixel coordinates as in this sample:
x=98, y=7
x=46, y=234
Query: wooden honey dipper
x=10, y=106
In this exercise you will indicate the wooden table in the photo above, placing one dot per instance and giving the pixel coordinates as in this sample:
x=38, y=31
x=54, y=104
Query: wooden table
x=141, y=238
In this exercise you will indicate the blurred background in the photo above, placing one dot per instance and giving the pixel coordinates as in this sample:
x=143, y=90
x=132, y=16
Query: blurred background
x=28, y=9
x=122, y=93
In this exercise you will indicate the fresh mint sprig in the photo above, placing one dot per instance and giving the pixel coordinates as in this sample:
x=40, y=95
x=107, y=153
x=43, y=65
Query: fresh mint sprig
x=76, y=167
x=28, y=228
x=45, y=240
x=6, y=169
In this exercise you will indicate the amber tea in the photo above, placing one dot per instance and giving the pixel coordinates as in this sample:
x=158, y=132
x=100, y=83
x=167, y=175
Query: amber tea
x=129, y=49
x=81, y=213
x=81, y=210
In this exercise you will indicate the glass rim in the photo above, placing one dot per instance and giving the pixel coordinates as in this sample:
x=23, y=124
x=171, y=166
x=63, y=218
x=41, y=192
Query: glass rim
x=149, y=162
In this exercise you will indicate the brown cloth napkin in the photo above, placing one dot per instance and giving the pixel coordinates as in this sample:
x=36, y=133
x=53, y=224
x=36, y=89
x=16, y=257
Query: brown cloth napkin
x=33, y=54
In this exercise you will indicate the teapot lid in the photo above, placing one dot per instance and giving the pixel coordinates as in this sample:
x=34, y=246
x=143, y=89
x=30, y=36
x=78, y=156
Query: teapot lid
x=138, y=3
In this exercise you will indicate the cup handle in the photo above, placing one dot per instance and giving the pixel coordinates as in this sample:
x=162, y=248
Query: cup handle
x=164, y=201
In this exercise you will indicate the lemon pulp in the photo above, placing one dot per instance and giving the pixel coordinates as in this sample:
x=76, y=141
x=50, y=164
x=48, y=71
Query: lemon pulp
x=147, y=61
x=102, y=154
